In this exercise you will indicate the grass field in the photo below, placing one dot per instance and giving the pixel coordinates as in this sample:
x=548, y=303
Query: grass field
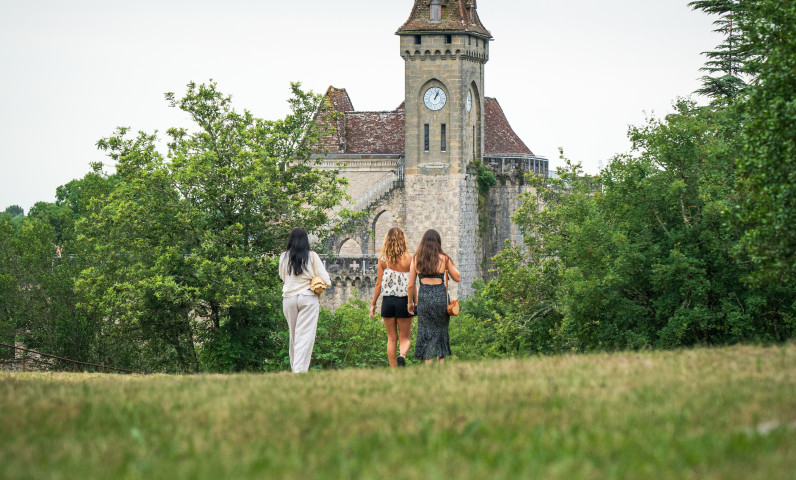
x=696, y=414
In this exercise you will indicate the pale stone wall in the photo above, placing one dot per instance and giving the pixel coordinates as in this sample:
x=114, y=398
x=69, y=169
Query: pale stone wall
x=456, y=67
x=349, y=276
x=360, y=182
x=448, y=204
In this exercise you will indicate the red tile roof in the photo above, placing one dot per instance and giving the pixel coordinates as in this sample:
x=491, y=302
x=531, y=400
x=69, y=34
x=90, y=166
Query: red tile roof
x=341, y=102
x=375, y=132
x=499, y=137
x=457, y=16
x=383, y=132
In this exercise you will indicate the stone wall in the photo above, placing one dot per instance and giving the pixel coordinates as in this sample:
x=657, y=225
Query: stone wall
x=448, y=204
x=457, y=68
x=349, y=276
x=503, y=200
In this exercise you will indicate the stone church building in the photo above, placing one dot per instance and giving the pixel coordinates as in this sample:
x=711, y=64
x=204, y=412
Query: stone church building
x=412, y=167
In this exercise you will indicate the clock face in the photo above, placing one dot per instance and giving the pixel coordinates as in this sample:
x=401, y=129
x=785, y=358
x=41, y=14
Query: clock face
x=469, y=100
x=434, y=98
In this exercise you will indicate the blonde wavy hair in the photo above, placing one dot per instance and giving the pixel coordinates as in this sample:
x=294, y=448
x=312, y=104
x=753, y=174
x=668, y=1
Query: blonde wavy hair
x=395, y=246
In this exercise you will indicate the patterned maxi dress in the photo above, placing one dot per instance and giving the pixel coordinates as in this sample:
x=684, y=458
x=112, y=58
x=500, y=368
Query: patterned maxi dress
x=432, y=320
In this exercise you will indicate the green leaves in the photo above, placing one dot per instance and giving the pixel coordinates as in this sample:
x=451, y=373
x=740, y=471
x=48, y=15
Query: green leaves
x=767, y=167
x=639, y=257
x=187, y=239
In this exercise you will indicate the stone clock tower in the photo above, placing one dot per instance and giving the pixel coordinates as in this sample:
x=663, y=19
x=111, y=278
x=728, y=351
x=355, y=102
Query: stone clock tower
x=444, y=47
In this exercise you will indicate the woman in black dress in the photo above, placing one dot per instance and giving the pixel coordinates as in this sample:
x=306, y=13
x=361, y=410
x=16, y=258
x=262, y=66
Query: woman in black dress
x=430, y=300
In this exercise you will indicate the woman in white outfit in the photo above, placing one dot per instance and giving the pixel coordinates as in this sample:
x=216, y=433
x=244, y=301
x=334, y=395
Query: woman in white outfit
x=298, y=265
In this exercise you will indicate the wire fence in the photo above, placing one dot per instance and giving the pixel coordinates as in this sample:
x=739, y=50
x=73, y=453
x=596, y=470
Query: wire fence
x=26, y=359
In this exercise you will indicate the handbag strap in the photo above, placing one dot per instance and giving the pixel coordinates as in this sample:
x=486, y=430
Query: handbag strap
x=314, y=267
x=447, y=280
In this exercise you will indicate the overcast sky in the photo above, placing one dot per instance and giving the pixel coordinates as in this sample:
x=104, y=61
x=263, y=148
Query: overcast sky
x=568, y=73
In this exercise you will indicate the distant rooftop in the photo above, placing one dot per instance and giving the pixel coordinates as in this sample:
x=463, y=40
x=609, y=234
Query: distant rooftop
x=457, y=16
x=383, y=132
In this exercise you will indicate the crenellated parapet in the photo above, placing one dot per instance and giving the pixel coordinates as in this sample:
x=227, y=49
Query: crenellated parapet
x=351, y=276
x=477, y=56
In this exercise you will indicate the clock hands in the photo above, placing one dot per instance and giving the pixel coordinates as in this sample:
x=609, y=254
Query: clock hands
x=434, y=98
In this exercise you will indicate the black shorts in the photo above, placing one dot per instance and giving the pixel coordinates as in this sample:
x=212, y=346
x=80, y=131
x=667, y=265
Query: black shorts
x=394, y=307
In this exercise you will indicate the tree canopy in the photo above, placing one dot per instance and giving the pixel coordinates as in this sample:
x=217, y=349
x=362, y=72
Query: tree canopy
x=688, y=240
x=169, y=263
x=15, y=210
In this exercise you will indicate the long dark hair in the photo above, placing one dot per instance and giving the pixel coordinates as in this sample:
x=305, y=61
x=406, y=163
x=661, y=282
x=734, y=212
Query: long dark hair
x=298, y=251
x=427, y=253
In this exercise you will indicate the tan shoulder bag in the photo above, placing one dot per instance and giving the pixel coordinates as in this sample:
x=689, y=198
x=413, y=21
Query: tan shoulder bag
x=317, y=284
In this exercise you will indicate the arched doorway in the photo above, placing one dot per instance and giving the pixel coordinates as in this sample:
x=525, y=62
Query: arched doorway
x=350, y=248
x=381, y=225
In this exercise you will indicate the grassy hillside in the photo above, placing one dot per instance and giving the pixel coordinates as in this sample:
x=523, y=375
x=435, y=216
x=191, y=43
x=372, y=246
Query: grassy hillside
x=701, y=414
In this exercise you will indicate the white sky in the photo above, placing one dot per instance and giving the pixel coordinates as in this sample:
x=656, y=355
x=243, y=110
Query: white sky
x=568, y=73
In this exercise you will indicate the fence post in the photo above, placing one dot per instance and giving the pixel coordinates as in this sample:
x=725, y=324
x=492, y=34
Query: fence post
x=24, y=361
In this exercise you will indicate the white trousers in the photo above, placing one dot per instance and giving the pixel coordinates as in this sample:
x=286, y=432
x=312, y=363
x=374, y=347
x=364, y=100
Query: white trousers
x=301, y=312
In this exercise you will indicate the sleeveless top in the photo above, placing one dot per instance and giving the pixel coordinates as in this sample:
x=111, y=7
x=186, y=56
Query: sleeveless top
x=394, y=284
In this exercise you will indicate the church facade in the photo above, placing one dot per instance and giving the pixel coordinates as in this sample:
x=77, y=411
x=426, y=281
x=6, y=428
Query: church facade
x=414, y=167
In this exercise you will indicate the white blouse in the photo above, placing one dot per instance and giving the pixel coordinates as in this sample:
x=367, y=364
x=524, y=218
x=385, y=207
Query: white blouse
x=394, y=283
x=299, y=284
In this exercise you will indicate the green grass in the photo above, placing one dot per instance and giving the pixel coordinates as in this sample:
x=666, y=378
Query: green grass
x=697, y=414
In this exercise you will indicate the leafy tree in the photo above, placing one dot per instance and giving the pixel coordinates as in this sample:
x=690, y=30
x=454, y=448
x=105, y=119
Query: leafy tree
x=767, y=166
x=39, y=306
x=641, y=256
x=72, y=203
x=689, y=241
x=15, y=210
x=8, y=285
x=184, y=246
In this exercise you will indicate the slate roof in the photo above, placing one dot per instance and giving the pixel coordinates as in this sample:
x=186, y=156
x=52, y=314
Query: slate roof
x=455, y=18
x=359, y=133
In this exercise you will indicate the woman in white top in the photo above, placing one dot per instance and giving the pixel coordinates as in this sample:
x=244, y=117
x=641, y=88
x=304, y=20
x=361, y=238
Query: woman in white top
x=297, y=267
x=393, y=278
